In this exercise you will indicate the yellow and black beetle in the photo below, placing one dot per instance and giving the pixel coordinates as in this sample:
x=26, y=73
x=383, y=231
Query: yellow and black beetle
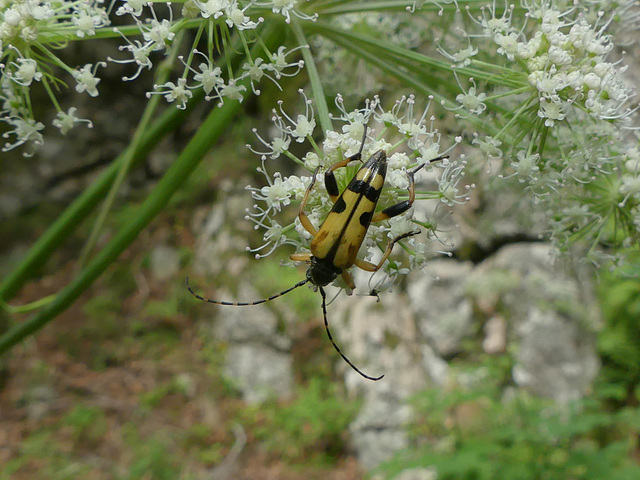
x=335, y=245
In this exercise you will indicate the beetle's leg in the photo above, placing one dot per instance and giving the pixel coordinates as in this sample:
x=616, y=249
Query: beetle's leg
x=370, y=267
x=302, y=216
x=403, y=206
x=329, y=178
x=348, y=279
x=300, y=257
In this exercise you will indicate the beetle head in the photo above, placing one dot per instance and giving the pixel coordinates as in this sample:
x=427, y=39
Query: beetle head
x=321, y=273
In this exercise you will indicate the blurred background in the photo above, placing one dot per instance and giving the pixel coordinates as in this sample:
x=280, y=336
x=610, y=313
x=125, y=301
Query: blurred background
x=502, y=358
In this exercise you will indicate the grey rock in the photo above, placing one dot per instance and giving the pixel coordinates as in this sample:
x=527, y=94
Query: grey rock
x=443, y=311
x=260, y=372
x=258, y=360
x=379, y=430
x=556, y=358
x=383, y=338
x=552, y=318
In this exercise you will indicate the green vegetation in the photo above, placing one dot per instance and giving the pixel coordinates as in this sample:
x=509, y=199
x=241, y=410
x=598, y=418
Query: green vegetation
x=88, y=424
x=482, y=434
x=619, y=341
x=311, y=429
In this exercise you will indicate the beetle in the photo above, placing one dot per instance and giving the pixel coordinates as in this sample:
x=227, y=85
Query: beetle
x=335, y=244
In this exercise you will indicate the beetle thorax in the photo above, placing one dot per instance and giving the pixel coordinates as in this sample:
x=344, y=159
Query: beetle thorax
x=321, y=273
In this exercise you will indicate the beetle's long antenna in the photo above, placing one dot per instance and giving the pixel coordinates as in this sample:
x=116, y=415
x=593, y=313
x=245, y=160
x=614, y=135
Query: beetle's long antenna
x=326, y=326
x=364, y=137
x=437, y=159
x=246, y=304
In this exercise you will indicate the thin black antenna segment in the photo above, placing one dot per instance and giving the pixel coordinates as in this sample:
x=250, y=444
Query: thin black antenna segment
x=364, y=137
x=246, y=304
x=326, y=326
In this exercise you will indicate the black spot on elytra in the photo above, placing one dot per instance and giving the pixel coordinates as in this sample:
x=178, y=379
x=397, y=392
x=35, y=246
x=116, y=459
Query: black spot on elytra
x=340, y=206
x=365, y=219
x=370, y=193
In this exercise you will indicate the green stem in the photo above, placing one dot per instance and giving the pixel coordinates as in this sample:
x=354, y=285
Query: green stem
x=502, y=75
x=163, y=74
x=86, y=203
x=29, y=306
x=314, y=77
x=213, y=127
x=341, y=7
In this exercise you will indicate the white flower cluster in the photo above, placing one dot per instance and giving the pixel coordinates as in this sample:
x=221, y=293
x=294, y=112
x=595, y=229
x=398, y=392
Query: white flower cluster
x=565, y=59
x=27, y=28
x=558, y=112
x=416, y=142
x=158, y=35
x=32, y=30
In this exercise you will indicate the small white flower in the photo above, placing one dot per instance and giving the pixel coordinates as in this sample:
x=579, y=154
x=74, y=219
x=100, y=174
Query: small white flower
x=552, y=110
x=592, y=81
x=277, y=194
x=276, y=147
x=297, y=185
x=448, y=184
x=174, y=92
x=255, y=69
x=86, y=81
x=632, y=164
x=508, y=44
x=398, y=160
x=279, y=62
x=559, y=55
x=489, y=147
x=630, y=187
x=236, y=17
x=429, y=152
x=26, y=72
x=280, y=145
x=284, y=7
x=212, y=8
x=140, y=54
x=304, y=128
x=87, y=23
x=472, y=102
x=400, y=225
x=311, y=160
x=332, y=143
x=132, y=7
x=159, y=33
x=461, y=58
x=492, y=24
x=12, y=17
x=66, y=121
x=233, y=91
x=576, y=212
x=419, y=256
x=529, y=49
x=210, y=78
x=398, y=179
x=526, y=167
x=27, y=132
